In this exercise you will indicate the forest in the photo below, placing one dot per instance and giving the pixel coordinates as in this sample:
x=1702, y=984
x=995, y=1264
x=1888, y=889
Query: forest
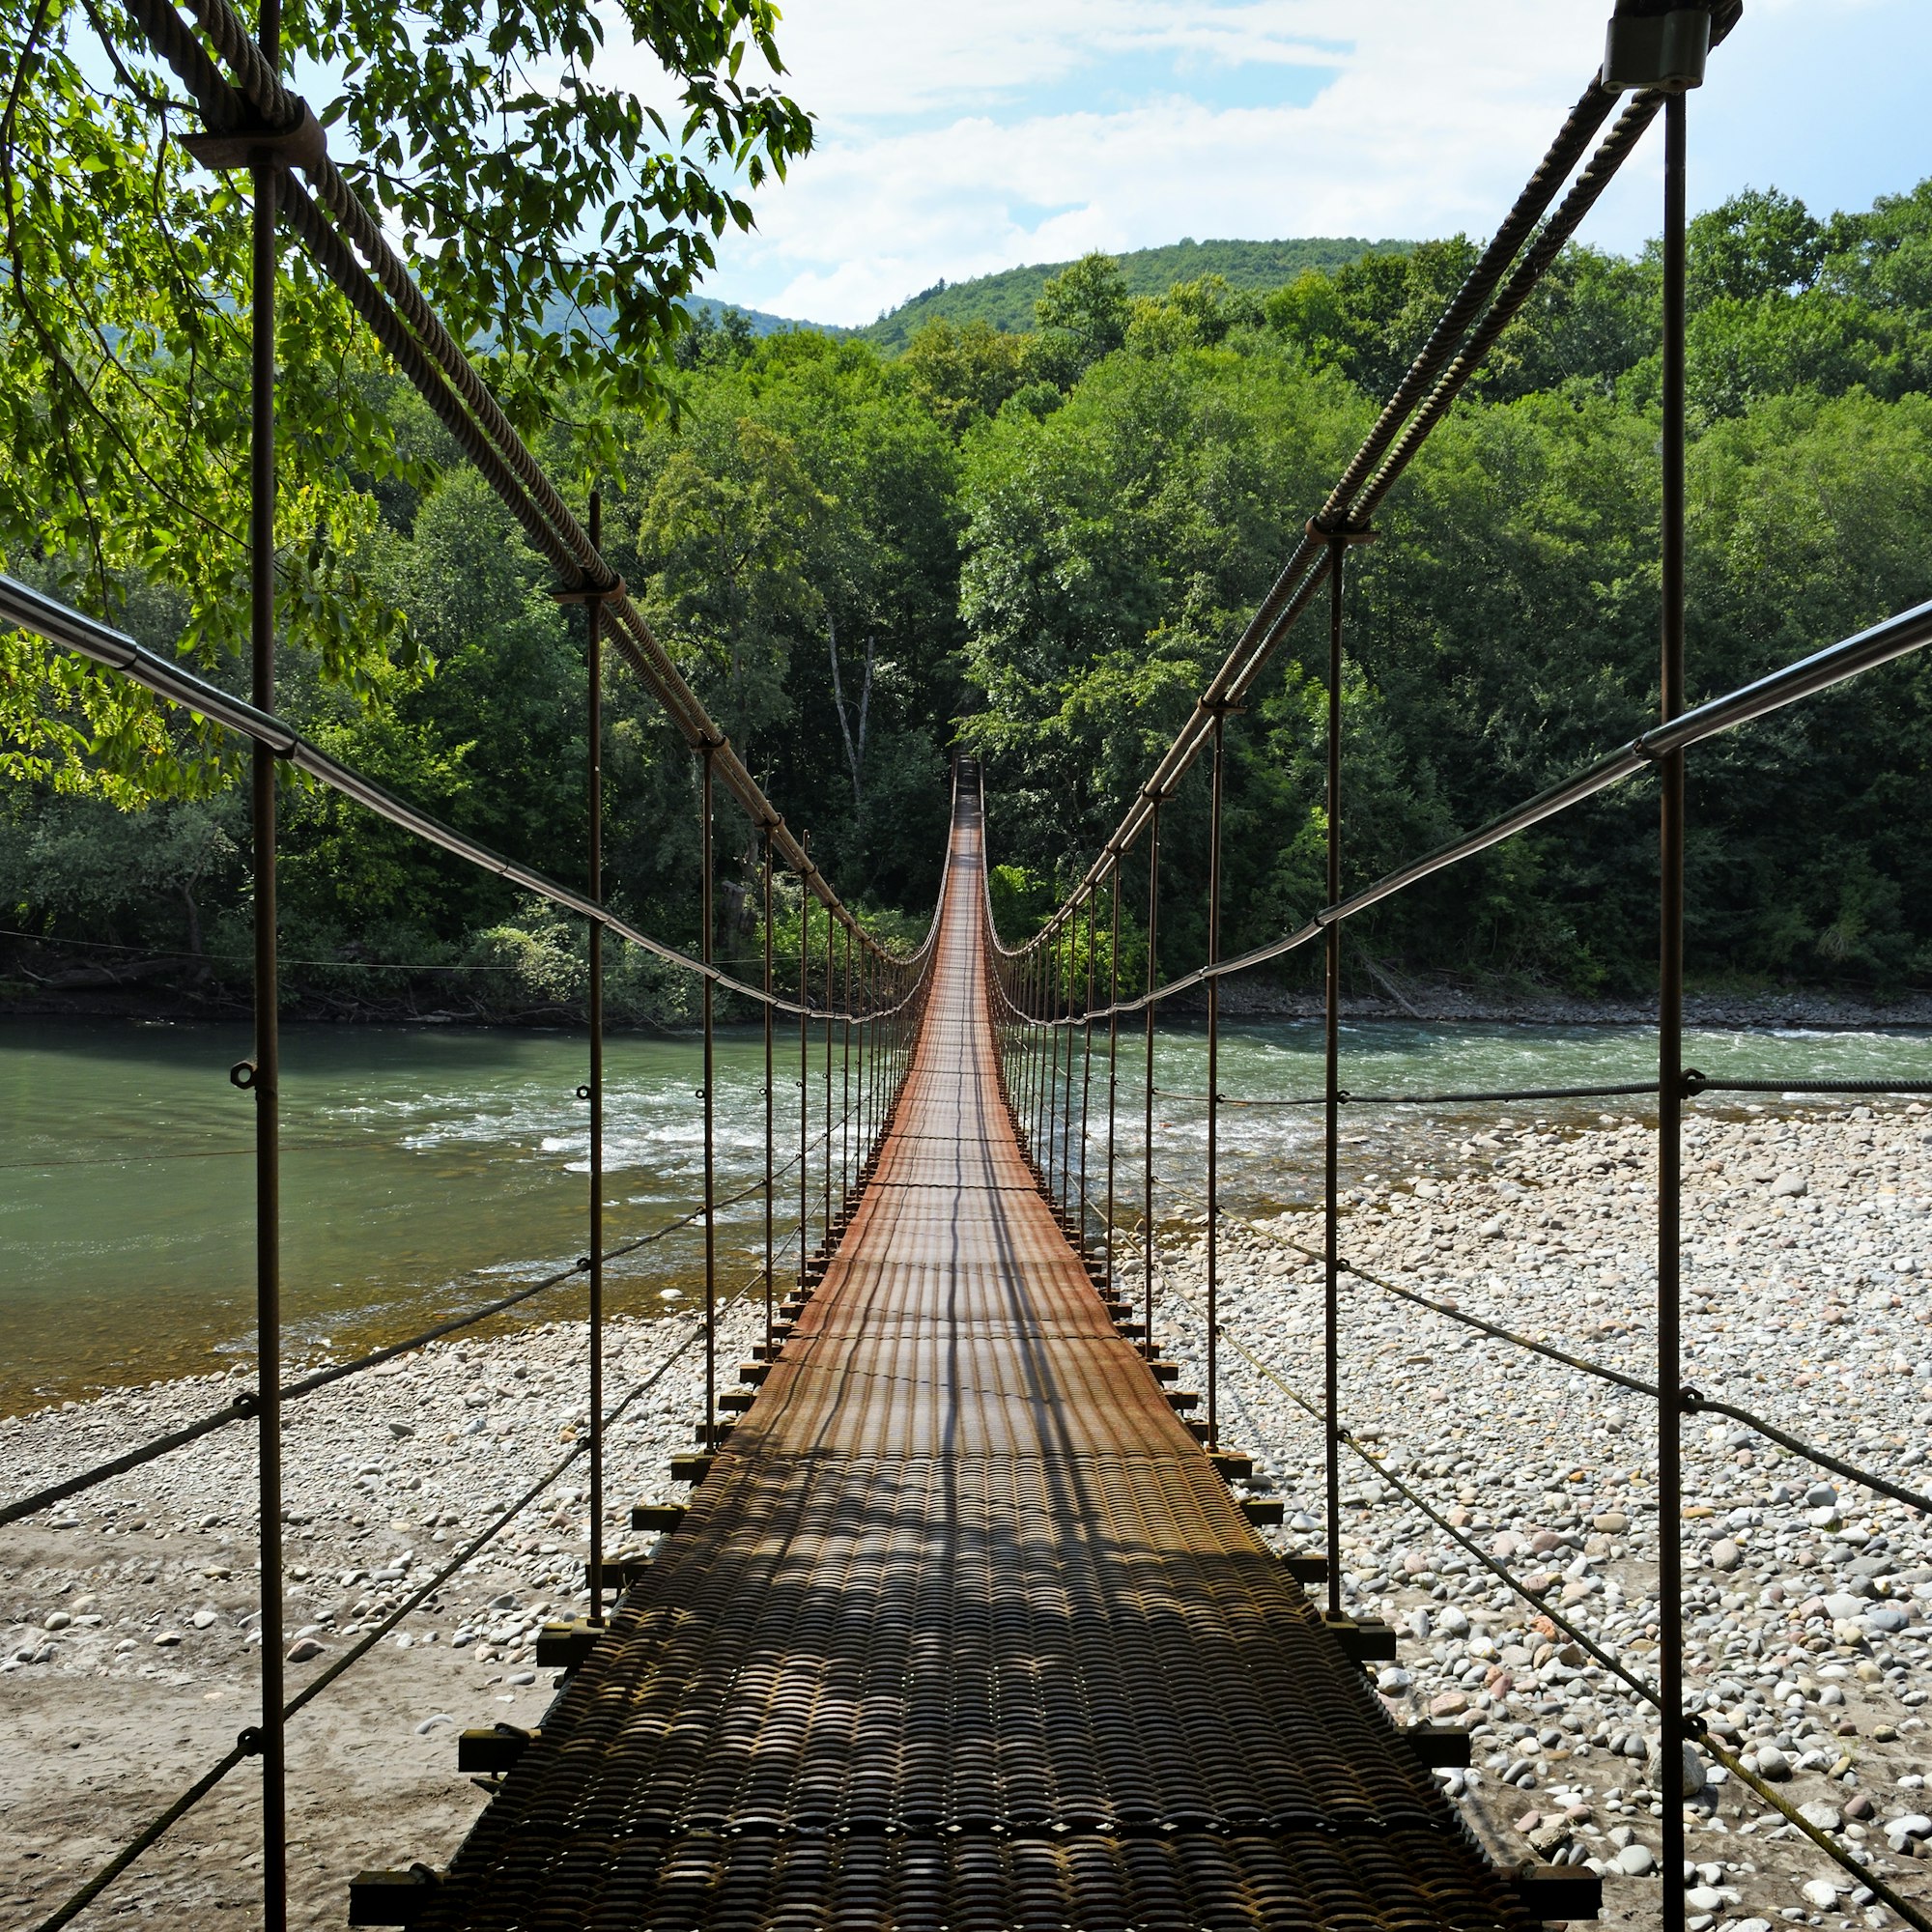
x=1036, y=545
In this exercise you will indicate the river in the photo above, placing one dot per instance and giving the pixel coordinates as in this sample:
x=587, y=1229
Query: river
x=427, y=1169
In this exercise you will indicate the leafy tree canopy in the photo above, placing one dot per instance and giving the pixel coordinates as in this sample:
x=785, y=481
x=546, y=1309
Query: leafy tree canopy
x=531, y=186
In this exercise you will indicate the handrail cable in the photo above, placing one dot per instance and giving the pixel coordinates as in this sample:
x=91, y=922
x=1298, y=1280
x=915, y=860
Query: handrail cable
x=245, y=1746
x=248, y=1402
x=1691, y=1401
x=30, y=610
x=1695, y=1084
x=1692, y=1723
x=1877, y=645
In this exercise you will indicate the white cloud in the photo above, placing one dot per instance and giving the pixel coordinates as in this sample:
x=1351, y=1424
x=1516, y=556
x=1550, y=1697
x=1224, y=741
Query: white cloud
x=954, y=141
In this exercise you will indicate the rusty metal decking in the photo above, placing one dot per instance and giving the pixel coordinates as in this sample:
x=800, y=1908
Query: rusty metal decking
x=963, y=1631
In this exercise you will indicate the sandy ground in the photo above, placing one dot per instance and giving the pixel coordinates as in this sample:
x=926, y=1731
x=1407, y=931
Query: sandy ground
x=140, y=1612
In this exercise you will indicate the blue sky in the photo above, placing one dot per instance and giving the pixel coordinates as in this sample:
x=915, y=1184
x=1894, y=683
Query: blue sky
x=956, y=140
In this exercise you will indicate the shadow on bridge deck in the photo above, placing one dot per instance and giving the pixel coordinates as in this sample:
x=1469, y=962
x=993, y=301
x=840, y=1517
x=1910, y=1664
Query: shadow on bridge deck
x=963, y=1628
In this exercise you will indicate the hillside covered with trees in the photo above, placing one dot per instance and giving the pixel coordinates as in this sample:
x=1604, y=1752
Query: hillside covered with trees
x=1007, y=300
x=1038, y=543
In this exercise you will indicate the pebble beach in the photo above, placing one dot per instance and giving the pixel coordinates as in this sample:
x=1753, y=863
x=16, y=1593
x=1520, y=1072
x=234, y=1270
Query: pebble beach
x=127, y=1646
x=1808, y=1301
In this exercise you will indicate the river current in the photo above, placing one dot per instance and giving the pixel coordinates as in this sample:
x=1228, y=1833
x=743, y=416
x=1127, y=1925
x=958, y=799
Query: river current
x=428, y=1169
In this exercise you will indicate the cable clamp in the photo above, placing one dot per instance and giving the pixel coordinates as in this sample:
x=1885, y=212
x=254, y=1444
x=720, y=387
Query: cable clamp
x=242, y=1075
x=1693, y=1082
x=1342, y=532
x=256, y=145
x=1660, y=51
x=249, y=1742
x=583, y=1264
x=1691, y=1400
x=590, y=593
x=583, y=1092
x=248, y=1403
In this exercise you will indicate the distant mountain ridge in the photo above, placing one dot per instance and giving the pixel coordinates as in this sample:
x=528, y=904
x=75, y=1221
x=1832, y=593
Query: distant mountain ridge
x=762, y=322
x=1005, y=299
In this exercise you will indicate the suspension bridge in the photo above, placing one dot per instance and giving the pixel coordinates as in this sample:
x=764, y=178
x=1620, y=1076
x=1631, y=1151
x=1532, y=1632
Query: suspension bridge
x=968, y=1622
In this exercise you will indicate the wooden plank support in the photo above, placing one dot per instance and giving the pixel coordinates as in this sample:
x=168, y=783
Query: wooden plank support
x=625, y=1571
x=753, y=1373
x=736, y=1402
x=1439, y=1746
x=1233, y=1465
x=1558, y=1894
x=391, y=1897
x=1183, y=1398
x=1164, y=1371
x=1367, y=1642
x=663, y=1518
x=692, y=1468
x=492, y=1751
x=1263, y=1510
x=1310, y=1572
x=564, y=1645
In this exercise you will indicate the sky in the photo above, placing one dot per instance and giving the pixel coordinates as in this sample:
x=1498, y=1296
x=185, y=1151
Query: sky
x=956, y=140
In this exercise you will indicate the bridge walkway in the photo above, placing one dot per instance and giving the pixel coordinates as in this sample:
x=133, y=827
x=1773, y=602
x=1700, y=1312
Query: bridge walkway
x=964, y=1630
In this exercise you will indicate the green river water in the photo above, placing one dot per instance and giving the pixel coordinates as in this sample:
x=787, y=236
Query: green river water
x=428, y=1169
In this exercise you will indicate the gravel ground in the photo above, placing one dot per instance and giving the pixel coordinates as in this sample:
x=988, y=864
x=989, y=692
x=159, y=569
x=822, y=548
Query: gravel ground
x=1808, y=1295
x=128, y=1644
x=1809, y=1292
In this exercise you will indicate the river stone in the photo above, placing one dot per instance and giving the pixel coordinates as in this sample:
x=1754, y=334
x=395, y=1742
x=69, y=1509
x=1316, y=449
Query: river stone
x=1725, y=1555
x=1790, y=1187
x=1841, y=1607
x=1820, y=1892
x=1695, y=1774
x=302, y=1649
x=1824, y=1816
x=1635, y=1861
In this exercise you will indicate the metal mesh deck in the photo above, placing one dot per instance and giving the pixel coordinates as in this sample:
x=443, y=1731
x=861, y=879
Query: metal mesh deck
x=963, y=1631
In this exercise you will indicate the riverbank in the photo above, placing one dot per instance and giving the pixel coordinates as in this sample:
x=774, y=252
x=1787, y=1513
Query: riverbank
x=1809, y=1299
x=156, y=990
x=1821, y=1008
x=128, y=1644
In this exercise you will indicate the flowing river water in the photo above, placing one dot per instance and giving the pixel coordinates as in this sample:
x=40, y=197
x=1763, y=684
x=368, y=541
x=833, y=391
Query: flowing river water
x=428, y=1169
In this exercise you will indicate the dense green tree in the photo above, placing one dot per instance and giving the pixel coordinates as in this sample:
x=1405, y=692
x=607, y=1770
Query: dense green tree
x=1043, y=544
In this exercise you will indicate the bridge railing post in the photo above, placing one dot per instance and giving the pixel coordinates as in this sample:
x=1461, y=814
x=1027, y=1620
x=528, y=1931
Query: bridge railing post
x=1113, y=1061
x=1670, y=1035
x=1331, y=1040
x=1214, y=1079
x=264, y=1075
x=825, y=1079
x=710, y=999
x=770, y=1028
x=1147, y=1243
x=804, y=1068
x=1086, y=1051
x=593, y=689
